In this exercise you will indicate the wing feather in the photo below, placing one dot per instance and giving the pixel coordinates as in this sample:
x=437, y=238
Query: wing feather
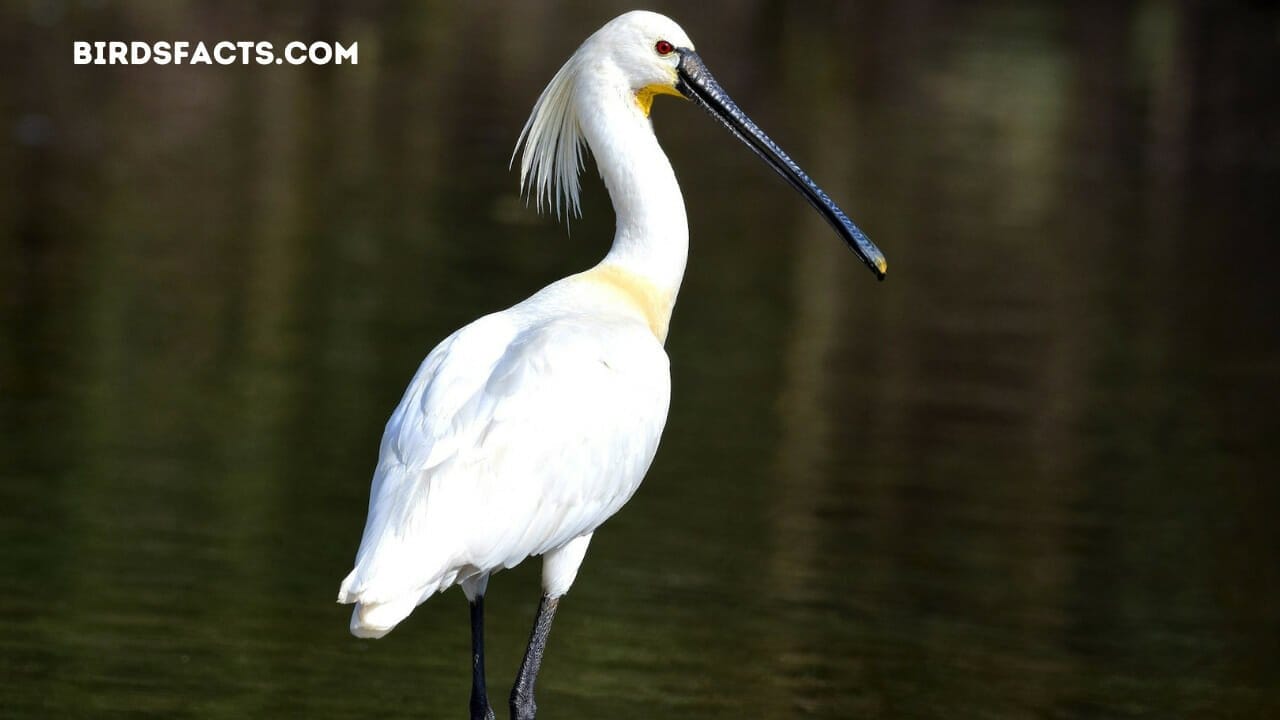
x=509, y=442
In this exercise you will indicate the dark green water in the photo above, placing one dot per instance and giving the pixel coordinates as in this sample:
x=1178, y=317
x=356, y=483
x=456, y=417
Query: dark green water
x=1031, y=475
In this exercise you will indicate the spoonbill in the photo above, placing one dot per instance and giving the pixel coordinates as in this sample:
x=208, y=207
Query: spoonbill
x=525, y=430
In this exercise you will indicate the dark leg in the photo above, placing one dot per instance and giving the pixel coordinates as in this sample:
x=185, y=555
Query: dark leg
x=480, y=709
x=522, y=705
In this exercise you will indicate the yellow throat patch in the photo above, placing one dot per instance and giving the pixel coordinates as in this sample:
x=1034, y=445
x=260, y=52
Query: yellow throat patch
x=651, y=303
x=645, y=95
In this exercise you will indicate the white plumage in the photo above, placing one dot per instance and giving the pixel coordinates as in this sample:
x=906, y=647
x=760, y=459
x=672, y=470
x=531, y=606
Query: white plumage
x=520, y=433
x=524, y=431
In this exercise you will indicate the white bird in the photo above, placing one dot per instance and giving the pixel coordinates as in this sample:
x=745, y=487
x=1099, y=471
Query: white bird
x=525, y=430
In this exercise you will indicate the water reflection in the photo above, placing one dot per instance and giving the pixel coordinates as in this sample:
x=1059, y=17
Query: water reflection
x=1027, y=475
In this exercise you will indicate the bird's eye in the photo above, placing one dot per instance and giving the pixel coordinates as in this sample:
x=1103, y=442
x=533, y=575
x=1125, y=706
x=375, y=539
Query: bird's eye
x=663, y=47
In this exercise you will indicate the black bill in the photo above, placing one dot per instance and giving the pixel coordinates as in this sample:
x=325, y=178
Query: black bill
x=696, y=83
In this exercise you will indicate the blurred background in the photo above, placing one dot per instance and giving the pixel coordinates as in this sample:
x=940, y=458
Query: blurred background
x=1032, y=474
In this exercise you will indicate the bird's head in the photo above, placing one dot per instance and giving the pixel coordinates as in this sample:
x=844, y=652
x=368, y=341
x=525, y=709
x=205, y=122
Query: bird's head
x=644, y=54
x=645, y=48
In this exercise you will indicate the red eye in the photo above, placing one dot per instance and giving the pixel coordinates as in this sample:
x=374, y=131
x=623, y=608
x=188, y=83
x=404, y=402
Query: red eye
x=664, y=48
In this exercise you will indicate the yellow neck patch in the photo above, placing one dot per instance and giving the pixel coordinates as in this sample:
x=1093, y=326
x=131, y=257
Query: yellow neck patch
x=653, y=304
x=645, y=95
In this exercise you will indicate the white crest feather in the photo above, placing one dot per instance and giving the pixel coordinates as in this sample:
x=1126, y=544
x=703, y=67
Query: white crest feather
x=553, y=142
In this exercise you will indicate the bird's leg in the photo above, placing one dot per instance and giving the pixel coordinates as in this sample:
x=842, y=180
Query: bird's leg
x=522, y=705
x=480, y=709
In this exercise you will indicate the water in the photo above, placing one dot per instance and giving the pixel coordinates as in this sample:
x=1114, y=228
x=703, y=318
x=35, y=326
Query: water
x=1032, y=474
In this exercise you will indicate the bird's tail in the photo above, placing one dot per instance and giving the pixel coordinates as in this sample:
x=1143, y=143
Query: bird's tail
x=379, y=609
x=373, y=620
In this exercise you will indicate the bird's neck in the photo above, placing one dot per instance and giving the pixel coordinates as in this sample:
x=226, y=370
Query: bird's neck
x=651, y=240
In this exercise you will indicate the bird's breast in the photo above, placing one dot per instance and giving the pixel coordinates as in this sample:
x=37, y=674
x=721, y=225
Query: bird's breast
x=652, y=304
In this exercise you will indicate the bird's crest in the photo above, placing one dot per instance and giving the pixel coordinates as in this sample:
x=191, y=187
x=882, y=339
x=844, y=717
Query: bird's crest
x=553, y=142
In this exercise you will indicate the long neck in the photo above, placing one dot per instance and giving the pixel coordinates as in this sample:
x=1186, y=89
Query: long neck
x=652, y=235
